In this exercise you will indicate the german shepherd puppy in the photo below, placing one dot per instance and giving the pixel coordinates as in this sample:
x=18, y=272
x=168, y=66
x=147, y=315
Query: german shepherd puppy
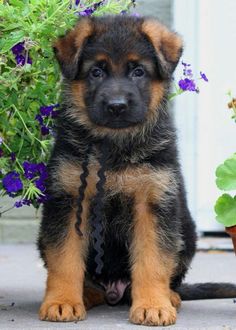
x=116, y=79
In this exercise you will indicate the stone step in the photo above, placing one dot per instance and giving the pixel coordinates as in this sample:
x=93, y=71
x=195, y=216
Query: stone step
x=19, y=230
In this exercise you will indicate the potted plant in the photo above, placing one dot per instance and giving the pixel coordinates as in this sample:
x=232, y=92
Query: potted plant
x=225, y=206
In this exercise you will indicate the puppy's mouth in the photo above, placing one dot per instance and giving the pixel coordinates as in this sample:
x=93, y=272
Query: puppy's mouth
x=118, y=124
x=117, y=117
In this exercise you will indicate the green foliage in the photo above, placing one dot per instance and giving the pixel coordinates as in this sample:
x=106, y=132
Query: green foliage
x=225, y=209
x=226, y=174
x=225, y=206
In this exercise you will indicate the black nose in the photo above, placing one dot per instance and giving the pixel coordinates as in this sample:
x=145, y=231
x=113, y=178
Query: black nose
x=117, y=107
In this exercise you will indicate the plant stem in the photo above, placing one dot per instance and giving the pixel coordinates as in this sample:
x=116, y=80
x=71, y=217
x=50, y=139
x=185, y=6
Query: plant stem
x=17, y=161
x=10, y=208
x=53, y=14
x=26, y=128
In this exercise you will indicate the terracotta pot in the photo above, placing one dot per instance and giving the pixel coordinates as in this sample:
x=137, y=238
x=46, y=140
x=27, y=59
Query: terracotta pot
x=232, y=232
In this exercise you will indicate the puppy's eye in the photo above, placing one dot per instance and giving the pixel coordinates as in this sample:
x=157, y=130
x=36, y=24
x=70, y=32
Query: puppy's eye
x=137, y=72
x=97, y=73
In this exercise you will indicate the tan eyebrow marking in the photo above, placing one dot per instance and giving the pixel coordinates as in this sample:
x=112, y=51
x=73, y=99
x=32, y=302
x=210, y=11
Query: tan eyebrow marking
x=133, y=57
x=102, y=57
x=148, y=65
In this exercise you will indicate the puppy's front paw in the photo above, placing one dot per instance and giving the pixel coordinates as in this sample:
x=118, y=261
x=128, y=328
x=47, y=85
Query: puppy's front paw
x=64, y=312
x=153, y=315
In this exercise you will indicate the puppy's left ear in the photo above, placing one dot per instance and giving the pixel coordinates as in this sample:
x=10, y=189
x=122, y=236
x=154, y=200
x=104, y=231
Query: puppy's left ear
x=168, y=46
x=68, y=49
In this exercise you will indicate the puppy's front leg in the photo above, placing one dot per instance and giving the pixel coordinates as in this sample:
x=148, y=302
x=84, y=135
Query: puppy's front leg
x=151, y=272
x=63, y=299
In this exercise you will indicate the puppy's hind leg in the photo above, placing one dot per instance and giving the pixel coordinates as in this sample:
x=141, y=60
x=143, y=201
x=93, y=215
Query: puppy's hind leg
x=93, y=297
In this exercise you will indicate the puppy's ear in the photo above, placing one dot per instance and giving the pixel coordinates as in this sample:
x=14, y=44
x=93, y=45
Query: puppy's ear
x=168, y=46
x=69, y=48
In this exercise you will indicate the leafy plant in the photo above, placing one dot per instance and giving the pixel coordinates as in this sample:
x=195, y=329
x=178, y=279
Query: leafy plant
x=225, y=206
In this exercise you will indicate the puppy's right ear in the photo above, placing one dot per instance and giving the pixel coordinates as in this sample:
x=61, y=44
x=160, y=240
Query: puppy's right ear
x=68, y=48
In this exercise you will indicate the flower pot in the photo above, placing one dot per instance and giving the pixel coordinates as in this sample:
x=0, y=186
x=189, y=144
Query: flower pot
x=232, y=232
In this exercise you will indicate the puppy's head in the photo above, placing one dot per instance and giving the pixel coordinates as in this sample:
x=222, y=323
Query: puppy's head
x=117, y=71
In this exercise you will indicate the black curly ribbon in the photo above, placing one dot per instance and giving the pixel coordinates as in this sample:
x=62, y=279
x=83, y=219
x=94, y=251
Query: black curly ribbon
x=96, y=221
x=83, y=180
x=97, y=211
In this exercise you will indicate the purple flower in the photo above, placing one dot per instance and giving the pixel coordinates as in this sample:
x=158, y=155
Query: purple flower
x=20, y=54
x=188, y=85
x=185, y=64
x=39, y=118
x=203, y=76
x=20, y=59
x=26, y=202
x=18, y=48
x=13, y=156
x=188, y=72
x=46, y=110
x=12, y=182
x=1, y=140
x=22, y=202
x=1, y=152
x=33, y=169
x=44, y=130
x=30, y=170
x=86, y=12
x=18, y=204
x=40, y=184
x=42, y=169
x=77, y=2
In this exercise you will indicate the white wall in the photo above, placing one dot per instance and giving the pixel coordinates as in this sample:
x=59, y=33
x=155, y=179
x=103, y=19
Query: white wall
x=207, y=134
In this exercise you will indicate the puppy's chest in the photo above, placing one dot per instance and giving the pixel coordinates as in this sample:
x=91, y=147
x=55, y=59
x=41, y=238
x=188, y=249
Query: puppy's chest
x=139, y=181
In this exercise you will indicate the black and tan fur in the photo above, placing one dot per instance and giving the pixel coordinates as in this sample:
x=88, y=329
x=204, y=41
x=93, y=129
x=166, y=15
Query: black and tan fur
x=149, y=236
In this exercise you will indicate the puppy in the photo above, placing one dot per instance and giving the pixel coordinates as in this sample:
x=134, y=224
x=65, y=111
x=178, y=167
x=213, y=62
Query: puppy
x=116, y=79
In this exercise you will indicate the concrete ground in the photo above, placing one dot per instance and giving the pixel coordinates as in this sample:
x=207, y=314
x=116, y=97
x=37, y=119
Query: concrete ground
x=22, y=279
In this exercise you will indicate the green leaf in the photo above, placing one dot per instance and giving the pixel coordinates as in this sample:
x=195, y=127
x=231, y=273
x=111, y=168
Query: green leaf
x=225, y=209
x=226, y=174
x=7, y=44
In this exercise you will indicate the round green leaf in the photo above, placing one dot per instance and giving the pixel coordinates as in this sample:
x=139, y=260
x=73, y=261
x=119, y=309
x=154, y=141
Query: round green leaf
x=226, y=174
x=225, y=209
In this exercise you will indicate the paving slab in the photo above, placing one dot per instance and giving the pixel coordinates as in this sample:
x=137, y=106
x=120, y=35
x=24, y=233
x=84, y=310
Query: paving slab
x=22, y=280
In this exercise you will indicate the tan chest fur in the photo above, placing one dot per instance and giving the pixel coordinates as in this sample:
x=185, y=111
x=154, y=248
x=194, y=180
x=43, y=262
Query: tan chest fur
x=142, y=181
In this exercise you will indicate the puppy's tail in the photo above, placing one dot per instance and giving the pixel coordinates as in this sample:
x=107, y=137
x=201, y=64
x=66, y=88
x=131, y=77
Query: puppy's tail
x=206, y=291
